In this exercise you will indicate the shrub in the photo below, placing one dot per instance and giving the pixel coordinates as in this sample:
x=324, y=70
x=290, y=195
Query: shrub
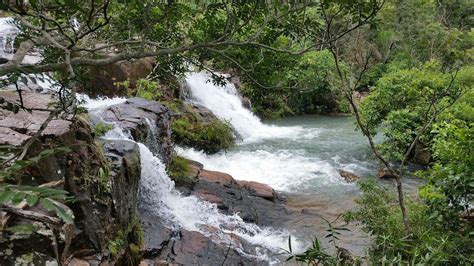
x=178, y=170
x=101, y=128
x=210, y=137
x=429, y=242
x=127, y=245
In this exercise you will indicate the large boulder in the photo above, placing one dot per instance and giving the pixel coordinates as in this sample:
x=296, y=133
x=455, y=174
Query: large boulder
x=195, y=126
x=147, y=121
x=255, y=202
x=102, y=81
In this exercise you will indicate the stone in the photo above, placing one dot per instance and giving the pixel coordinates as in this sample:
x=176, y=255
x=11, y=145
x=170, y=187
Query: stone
x=216, y=177
x=123, y=158
x=258, y=189
x=193, y=248
x=102, y=80
x=3, y=60
x=348, y=176
x=147, y=121
x=254, y=202
x=209, y=197
x=16, y=129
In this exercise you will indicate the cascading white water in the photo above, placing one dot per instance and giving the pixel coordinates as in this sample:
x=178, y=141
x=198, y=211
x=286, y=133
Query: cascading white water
x=285, y=169
x=7, y=38
x=8, y=33
x=159, y=196
x=225, y=103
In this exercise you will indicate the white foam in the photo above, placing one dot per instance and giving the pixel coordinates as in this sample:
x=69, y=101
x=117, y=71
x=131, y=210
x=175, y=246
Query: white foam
x=100, y=103
x=283, y=170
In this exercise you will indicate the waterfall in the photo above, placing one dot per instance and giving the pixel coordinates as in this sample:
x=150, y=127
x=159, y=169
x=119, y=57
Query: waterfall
x=7, y=37
x=159, y=196
x=225, y=103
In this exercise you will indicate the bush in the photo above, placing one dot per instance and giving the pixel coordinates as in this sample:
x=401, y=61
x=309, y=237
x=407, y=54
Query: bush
x=101, y=128
x=210, y=137
x=429, y=242
x=126, y=247
x=178, y=170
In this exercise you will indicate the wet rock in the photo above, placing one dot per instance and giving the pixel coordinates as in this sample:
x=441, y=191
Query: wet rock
x=209, y=197
x=422, y=155
x=197, y=127
x=254, y=202
x=193, y=248
x=246, y=102
x=348, y=176
x=157, y=236
x=258, y=189
x=194, y=168
x=216, y=177
x=123, y=158
x=104, y=201
x=147, y=121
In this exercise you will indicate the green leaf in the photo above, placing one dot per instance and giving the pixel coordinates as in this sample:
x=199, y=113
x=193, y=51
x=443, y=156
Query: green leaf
x=66, y=217
x=48, y=204
x=18, y=197
x=6, y=196
x=31, y=200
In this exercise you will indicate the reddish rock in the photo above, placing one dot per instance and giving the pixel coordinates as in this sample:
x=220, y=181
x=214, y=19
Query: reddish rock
x=216, y=177
x=258, y=189
x=191, y=242
x=348, y=176
x=208, y=196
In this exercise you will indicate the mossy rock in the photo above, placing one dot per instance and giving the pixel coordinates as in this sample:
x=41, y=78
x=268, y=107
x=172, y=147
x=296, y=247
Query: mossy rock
x=195, y=126
x=179, y=169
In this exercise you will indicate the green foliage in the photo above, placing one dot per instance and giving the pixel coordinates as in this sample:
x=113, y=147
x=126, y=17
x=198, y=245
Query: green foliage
x=211, y=136
x=101, y=128
x=430, y=242
x=451, y=180
x=47, y=197
x=178, y=170
x=11, y=171
x=314, y=255
x=143, y=88
x=317, y=254
x=403, y=102
x=103, y=180
x=127, y=245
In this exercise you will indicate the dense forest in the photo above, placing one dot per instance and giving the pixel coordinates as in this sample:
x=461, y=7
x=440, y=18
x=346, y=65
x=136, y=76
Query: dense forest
x=401, y=70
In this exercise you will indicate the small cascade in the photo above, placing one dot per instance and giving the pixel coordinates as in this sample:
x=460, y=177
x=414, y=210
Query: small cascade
x=226, y=104
x=159, y=196
x=8, y=31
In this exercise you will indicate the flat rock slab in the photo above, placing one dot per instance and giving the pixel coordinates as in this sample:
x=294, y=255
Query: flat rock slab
x=16, y=129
